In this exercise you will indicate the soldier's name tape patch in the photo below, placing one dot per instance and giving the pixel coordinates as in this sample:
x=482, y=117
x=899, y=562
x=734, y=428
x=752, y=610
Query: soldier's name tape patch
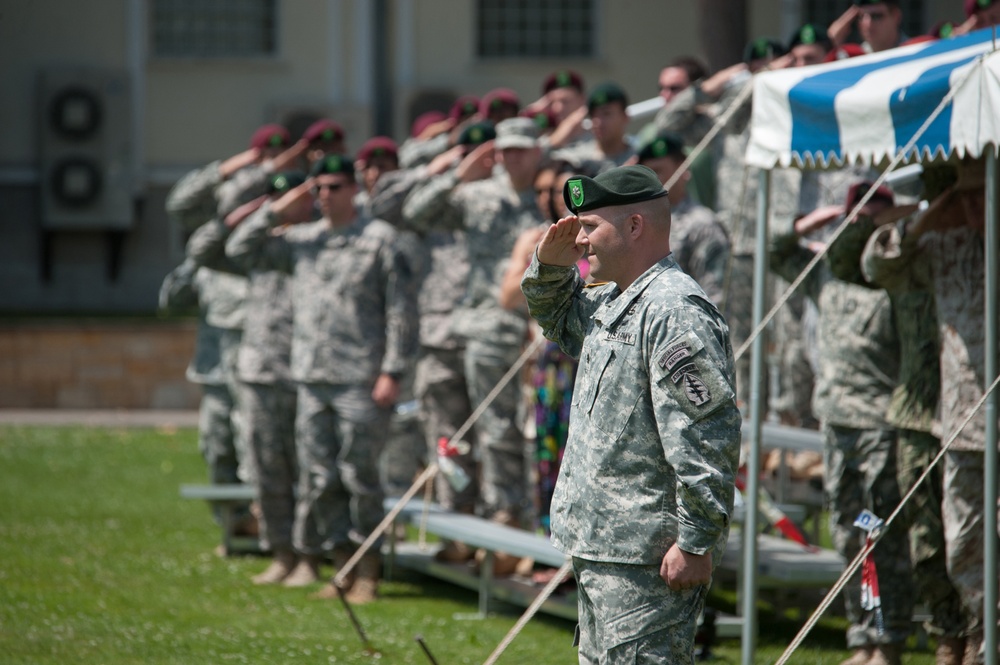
x=674, y=354
x=621, y=336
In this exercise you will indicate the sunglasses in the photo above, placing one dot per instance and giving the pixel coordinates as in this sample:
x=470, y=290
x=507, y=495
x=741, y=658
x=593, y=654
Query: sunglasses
x=673, y=88
x=333, y=187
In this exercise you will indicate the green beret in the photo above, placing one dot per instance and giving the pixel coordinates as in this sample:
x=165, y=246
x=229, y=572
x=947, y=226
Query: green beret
x=665, y=144
x=606, y=93
x=334, y=164
x=615, y=187
x=282, y=181
x=763, y=47
x=481, y=132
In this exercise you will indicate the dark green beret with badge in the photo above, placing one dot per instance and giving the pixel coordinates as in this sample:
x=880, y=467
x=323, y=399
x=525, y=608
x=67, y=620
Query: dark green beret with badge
x=761, y=48
x=606, y=93
x=666, y=143
x=481, y=132
x=616, y=187
x=282, y=181
x=334, y=164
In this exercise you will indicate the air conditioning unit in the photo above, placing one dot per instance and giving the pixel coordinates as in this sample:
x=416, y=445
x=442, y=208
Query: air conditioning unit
x=85, y=153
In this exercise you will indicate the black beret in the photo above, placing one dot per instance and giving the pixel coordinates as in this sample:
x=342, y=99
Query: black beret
x=480, y=132
x=334, y=164
x=665, y=144
x=282, y=181
x=606, y=93
x=614, y=187
x=763, y=47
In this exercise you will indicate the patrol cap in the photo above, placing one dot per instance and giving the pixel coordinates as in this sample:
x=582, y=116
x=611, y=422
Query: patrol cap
x=480, y=132
x=763, y=47
x=425, y=120
x=517, y=133
x=562, y=78
x=809, y=34
x=615, y=187
x=606, y=93
x=282, y=181
x=665, y=144
x=334, y=164
x=378, y=146
x=498, y=97
x=270, y=136
x=463, y=107
x=973, y=6
x=323, y=130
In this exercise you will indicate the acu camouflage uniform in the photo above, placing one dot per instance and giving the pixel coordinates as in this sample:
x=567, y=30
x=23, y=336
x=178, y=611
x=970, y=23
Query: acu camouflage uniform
x=353, y=314
x=493, y=216
x=911, y=410
x=439, y=383
x=219, y=298
x=266, y=389
x=652, y=451
x=952, y=263
x=700, y=246
x=859, y=365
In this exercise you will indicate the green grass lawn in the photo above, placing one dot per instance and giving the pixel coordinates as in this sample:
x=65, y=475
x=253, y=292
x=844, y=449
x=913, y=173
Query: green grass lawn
x=102, y=562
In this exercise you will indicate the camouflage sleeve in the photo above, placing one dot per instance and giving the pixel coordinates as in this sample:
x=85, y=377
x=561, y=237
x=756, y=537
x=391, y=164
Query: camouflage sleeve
x=894, y=262
x=191, y=202
x=429, y=206
x=391, y=191
x=178, y=290
x=709, y=258
x=245, y=185
x=558, y=300
x=416, y=153
x=252, y=245
x=787, y=258
x=401, y=318
x=207, y=247
x=680, y=115
x=691, y=378
x=844, y=253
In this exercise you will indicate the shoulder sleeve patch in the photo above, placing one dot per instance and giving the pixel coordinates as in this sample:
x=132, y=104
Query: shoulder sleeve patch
x=690, y=375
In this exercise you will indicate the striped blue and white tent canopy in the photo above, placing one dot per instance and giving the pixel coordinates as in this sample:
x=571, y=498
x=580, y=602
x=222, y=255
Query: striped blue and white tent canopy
x=868, y=108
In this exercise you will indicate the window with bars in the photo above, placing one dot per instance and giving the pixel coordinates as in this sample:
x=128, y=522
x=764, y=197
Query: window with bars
x=214, y=28
x=536, y=28
x=825, y=12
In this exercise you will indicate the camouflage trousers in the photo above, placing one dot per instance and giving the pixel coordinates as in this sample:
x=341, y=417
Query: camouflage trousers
x=916, y=451
x=269, y=417
x=860, y=473
x=339, y=434
x=793, y=403
x=405, y=452
x=738, y=310
x=962, y=512
x=444, y=406
x=217, y=437
x=628, y=614
x=503, y=479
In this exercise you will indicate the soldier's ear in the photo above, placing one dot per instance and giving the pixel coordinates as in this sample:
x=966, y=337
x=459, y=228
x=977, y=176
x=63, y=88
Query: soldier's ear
x=636, y=224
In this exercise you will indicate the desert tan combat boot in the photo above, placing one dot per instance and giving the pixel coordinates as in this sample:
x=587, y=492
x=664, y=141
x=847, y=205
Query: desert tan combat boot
x=365, y=588
x=861, y=656
x=305, y=573
x=887, y=654
x=282, y=566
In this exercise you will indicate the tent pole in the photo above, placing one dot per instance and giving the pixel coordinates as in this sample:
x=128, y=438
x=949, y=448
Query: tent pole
x=749, y=634
x=990, y=408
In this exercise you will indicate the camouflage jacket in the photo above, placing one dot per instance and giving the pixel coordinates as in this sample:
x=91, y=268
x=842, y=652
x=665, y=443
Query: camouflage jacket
x=191, y=201
x=493, y=216
x=354, y=309
x=914, y=401
x=952, y=264
x=857, y=339
x=700, y=246
x=654, y=431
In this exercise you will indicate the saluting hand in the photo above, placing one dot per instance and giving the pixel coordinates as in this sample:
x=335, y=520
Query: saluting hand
x=558, y=246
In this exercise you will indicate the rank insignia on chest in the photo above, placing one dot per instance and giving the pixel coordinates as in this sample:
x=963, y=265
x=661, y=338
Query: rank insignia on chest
x=621, y=336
